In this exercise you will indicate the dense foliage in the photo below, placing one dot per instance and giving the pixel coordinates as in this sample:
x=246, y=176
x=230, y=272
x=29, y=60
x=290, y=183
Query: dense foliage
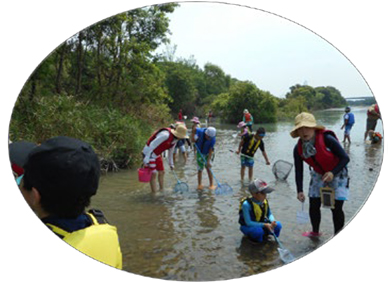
x=100, y=86
x=108, y=86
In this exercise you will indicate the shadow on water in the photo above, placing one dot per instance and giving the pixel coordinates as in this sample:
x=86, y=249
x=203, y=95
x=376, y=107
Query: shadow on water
x=196, y=237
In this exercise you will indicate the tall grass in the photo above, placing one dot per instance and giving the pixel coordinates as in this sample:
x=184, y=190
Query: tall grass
x=117, y=137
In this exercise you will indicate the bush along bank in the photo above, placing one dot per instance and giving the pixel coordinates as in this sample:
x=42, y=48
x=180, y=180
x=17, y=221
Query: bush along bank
x=117, y=136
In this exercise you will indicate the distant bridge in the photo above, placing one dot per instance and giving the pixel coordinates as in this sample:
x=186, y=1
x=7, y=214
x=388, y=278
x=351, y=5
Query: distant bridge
x=359, y=98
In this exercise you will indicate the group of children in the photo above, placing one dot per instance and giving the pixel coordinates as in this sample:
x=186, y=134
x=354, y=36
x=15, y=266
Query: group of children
x=58, y=178
x=255, y=215
x=173, y=138
x=317, y=147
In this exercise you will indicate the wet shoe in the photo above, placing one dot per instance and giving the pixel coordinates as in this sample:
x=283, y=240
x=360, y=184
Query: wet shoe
x=212, y=187
x=200, y=187
x=312, y=234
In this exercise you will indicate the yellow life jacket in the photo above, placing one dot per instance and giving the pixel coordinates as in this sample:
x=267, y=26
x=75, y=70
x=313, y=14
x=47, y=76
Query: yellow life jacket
x=250, y=145
x=258, y=212
x=99, y=241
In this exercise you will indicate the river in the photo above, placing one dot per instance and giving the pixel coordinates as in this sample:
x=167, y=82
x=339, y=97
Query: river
x=196, y=236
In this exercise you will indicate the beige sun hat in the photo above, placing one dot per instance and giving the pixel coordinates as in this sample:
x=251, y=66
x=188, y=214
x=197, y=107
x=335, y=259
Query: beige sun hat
x=180, y=131
x=304, y=119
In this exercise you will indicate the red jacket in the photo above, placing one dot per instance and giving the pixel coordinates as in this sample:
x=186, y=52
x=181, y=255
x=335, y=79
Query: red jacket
x=324, y=159
x=163, y=146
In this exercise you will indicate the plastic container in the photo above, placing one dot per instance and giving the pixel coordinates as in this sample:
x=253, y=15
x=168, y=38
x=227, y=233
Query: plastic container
x=144, y=175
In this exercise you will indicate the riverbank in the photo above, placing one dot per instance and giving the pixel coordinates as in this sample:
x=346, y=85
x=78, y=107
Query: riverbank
x=116, y=135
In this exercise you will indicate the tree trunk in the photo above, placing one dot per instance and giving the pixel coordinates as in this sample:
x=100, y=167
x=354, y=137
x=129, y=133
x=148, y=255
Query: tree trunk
x=79, y=62
x=60, y=68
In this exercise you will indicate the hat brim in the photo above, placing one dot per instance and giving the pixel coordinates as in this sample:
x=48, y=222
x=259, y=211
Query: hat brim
x=253, y=189
x=294, y=133
x=19, y=151
x=268, y=190
x=178, y=135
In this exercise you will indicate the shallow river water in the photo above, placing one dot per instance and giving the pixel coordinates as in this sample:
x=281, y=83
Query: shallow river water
x=196, y=237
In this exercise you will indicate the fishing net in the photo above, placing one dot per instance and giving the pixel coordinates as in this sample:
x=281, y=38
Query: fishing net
x=181, y=187
x=302, y=216
x=223, y=189
x=285, y=255
x=281, y=169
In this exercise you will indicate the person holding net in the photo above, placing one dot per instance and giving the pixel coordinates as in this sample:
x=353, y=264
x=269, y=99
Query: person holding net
x=204, y=139
x=255, y=217
x=247, y=149
x=321, y=150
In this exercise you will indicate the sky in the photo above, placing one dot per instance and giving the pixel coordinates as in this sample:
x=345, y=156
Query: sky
x=251, y=44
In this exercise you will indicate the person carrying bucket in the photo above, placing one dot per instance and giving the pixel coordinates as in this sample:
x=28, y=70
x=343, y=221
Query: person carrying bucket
x=204, y=139
x=321, y=150
x=247, y=148
x=349, y=121
x=248, y=119
x=161, y=140
x=255, y=217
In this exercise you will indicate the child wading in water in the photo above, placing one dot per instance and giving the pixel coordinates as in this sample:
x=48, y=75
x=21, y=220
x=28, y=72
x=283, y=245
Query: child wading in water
x=247, y=148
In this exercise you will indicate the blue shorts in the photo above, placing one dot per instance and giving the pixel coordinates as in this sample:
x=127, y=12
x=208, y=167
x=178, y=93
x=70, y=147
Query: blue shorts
x=256, y=233
x=347, y=129
x=246, y=161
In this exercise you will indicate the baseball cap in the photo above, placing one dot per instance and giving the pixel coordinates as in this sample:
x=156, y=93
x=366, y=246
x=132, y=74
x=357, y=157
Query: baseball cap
x=18, y=153
x=63, y=166
x=259, y=186
x=211, y=132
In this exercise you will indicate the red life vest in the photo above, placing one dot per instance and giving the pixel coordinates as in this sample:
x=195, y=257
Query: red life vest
x=247, y=117
x=373, y=111
x=163, y=146
x=324, y=159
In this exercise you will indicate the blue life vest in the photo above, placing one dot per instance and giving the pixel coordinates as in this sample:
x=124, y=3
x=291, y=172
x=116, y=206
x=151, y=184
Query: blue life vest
x=351, y=119
x=202, y=143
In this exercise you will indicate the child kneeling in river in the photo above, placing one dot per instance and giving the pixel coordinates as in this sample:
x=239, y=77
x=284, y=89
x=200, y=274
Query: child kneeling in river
x=255, y=216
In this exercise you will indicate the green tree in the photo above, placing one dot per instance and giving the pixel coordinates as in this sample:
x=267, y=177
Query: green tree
x=181, y=87
x=330, y=97
x=305, y=91
x=245, y=95
x=216, y=80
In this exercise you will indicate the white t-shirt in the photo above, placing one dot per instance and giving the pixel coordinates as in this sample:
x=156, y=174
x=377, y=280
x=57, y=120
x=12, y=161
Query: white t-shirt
x=148, y=150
